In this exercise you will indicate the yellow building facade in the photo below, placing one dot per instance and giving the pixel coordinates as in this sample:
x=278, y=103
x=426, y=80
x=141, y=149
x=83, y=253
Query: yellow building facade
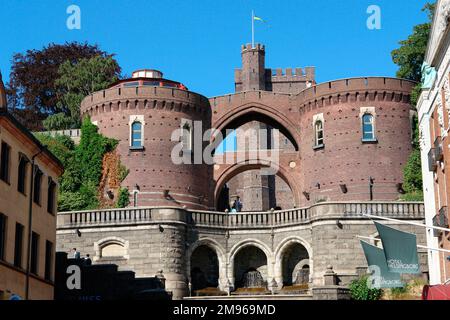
x=28, y=194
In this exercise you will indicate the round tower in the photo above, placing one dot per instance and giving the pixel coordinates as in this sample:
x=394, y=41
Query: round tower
x=158, y=123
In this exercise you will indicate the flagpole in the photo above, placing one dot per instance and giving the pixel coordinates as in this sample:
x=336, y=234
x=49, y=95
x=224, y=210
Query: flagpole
x=406, y=222
x=418, y=246
x=253, y=29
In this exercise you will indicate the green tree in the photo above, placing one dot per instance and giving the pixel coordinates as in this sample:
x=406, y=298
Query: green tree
x=412, y=178
x=409, y=57
x=32, y=93
x=75, y=82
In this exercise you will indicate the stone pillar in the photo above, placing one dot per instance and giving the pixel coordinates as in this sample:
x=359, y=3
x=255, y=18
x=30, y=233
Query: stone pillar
x=255, y=187
x=173, y=251
x=330, y=277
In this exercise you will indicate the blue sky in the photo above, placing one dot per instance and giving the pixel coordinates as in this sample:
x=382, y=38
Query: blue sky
x=198, y=42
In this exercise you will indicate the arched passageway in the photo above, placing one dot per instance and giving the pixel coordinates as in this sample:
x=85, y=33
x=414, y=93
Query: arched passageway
x=204, y=268
x=255, y=183
x=250, y=268
x=256, y=192
x=295, y=265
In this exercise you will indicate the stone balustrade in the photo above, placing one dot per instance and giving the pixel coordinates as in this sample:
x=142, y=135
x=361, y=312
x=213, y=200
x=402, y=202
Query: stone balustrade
x=240, y=220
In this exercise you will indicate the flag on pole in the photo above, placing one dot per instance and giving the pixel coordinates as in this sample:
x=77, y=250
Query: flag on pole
x=380, y=276
x=255, y=18
x=400, y=249
x=258, y=19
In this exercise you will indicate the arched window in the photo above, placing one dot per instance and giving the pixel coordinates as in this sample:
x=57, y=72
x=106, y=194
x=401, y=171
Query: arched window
x=111, y=248
x=136, y=134
x=186, y=137
x=318, y=132
x=368, y=127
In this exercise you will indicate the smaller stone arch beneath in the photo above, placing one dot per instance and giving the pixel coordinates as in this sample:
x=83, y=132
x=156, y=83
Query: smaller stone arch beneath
x=249, y=255
x=111, y=248
x=217, y=249
x=289, y=260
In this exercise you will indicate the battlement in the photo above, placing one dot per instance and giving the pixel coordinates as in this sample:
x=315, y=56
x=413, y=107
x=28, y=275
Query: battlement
x=144, y=97
x=340, y=89
x=307, y=72
x=380, y=88
x=248, y=47
x=242, y=97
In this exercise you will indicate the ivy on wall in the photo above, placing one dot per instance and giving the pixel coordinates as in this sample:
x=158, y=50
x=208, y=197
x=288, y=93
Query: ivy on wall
x=80, y=181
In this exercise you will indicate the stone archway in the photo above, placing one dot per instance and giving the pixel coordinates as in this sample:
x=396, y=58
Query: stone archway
x=249, y=255
x=250, y=111
x=203, y=253
x=288, y=175
x=204, y=268
x=293, y=263
x=250, y=268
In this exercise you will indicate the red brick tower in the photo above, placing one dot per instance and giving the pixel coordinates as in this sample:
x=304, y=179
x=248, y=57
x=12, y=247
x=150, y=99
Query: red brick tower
x=142, y=113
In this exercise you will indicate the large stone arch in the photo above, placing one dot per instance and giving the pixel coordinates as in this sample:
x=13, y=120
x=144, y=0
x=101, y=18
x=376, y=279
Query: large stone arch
x=252, y=164
x=244, y=244
x=245, y=113
x=280, y=250
x=221, y=257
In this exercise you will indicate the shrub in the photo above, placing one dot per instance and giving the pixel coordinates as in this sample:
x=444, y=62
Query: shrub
x=360, y=291
x=124, y=198
x=413, y=196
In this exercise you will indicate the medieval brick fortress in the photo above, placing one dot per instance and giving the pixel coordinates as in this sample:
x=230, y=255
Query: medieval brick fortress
x=342, y=140
x=340, y=153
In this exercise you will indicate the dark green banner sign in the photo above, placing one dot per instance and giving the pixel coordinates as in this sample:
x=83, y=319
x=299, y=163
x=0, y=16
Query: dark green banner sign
x=400, y=249
x=380, y=276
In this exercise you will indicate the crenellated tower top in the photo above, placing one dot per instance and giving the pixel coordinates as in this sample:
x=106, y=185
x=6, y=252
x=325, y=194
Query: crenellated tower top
x=255, y=76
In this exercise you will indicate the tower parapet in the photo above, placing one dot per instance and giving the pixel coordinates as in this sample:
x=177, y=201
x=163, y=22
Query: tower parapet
x=143, y=114
x=255, y=76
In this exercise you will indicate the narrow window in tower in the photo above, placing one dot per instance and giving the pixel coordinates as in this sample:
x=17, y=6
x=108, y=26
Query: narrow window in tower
x=186, y=138
x=136, y=134
x=318, y=131
x=368, y=127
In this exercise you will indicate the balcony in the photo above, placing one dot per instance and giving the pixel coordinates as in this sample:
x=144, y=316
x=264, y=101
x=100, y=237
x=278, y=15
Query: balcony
x=440, y=220
x=432, y=163
x=438, y=154
x=240, y=220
